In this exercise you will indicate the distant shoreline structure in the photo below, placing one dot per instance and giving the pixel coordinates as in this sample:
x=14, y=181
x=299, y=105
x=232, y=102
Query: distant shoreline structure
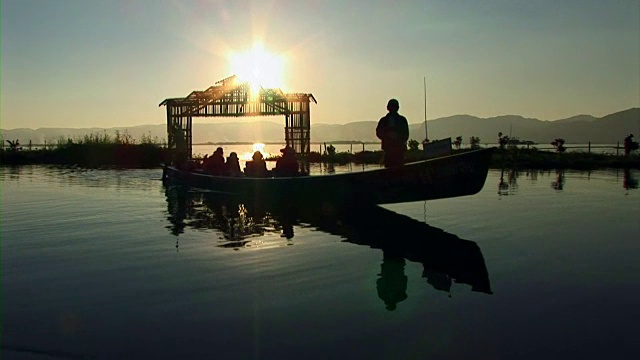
x=516, y=141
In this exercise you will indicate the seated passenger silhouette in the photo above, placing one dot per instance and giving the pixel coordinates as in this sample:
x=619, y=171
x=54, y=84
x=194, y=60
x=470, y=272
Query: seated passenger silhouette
x=233, y=165
x=256, y=167
x=214, y=164
x=287, y=164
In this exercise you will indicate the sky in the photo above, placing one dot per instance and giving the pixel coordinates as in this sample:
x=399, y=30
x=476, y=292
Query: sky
x=95, y=63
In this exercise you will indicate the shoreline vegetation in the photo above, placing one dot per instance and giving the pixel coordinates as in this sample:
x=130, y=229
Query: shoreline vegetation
x=122, y=151
x=92, y=151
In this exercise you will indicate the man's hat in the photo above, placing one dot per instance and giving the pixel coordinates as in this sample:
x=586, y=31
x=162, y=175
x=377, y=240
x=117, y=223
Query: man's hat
x=286, y=149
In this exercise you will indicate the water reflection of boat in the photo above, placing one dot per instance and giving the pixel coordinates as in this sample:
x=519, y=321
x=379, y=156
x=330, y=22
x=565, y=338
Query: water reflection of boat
x=444, y=256
x=443, y=177
x=446, y=259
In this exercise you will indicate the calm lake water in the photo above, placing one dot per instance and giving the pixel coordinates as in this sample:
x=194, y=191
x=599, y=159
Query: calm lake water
x=107, y=264
x=245, y=151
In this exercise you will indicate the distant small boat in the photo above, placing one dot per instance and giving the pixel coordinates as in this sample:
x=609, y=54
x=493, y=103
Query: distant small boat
x=437, y=148
x=443, y=177
x=516, y=141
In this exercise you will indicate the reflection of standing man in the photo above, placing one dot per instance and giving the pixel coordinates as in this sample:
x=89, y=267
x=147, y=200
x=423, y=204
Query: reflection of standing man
x=393, y=130
x=392, y=284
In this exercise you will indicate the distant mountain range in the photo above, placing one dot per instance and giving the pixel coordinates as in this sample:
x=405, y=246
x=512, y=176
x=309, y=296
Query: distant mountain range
x=577, y=129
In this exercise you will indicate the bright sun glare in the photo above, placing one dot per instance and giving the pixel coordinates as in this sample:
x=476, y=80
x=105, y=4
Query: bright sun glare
x=256, y=147
x=259, y=67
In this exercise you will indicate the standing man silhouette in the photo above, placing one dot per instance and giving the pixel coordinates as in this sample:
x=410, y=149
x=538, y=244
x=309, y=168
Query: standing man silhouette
x=393, y=130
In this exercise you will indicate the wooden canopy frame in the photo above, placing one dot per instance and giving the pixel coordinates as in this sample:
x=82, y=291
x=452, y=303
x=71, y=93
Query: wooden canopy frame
x=232, y=98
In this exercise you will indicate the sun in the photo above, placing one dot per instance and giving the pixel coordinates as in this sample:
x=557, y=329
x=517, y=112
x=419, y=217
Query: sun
x=258, y=67
x=256, y=147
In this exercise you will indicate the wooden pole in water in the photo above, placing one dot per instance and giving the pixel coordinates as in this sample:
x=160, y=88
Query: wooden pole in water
x=426, y=133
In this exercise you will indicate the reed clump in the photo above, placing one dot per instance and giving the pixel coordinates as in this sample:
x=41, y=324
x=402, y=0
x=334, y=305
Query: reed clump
x=94, y=150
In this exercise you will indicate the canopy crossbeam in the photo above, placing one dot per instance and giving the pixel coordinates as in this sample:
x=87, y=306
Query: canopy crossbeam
x=230, y=97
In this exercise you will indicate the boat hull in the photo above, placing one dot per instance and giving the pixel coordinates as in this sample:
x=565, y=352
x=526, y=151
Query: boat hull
x=456, y=175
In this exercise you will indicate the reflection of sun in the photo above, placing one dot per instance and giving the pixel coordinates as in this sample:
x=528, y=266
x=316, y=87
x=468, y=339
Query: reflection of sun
x=256, y=147
x=258, y=67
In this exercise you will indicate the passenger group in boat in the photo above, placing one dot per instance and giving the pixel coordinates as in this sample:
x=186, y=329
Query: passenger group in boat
x=215, y=164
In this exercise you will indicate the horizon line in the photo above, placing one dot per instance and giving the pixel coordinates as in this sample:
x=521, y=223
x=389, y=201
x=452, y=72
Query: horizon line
x=322, y=123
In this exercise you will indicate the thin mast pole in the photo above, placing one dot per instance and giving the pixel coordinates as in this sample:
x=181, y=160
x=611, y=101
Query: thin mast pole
x=426, y=133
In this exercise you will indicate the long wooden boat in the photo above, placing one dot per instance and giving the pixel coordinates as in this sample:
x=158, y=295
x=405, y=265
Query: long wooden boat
x=450, y=176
